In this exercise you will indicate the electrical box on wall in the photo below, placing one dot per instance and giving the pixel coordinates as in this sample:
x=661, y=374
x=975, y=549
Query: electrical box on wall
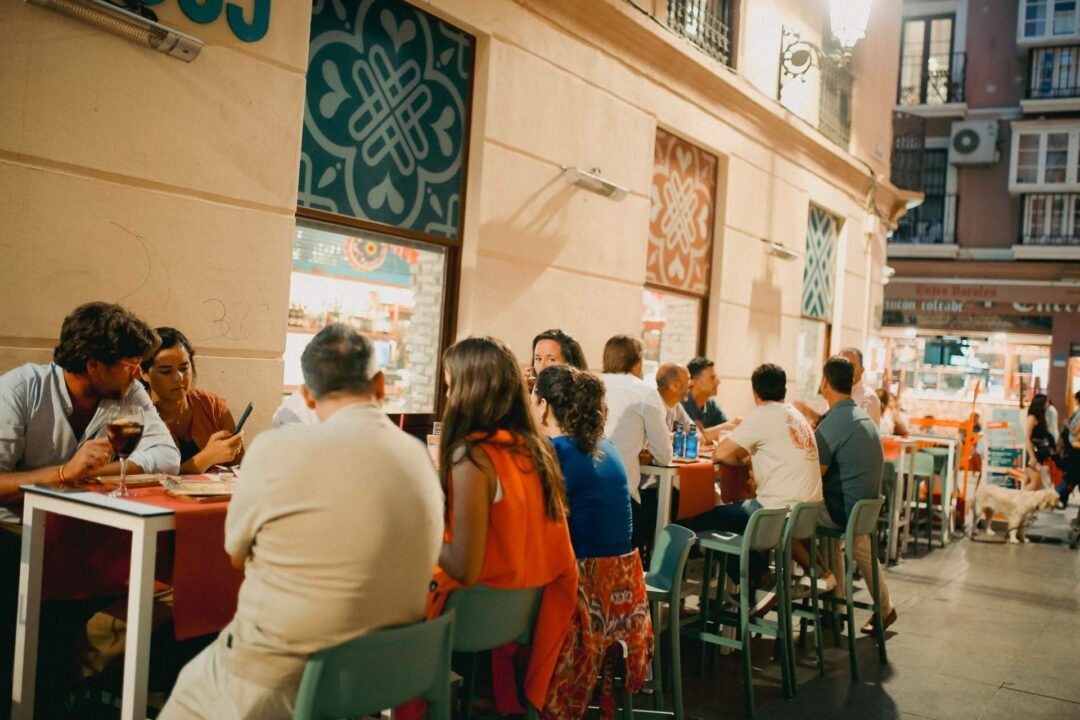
x=974, y=142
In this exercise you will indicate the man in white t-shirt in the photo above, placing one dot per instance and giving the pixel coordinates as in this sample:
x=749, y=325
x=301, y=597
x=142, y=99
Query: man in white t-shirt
x=783, y=453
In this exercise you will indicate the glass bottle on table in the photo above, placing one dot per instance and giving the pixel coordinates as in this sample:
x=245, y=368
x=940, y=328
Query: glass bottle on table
x=124, y=429
x=679, y=447
x=691, y=443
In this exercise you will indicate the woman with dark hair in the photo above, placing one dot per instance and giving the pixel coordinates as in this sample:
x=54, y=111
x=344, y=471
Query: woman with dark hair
x=555, y=347
x=200, y=421
x=1040, y=443
x=569, y=406
x=506, y=508
x=613, y=605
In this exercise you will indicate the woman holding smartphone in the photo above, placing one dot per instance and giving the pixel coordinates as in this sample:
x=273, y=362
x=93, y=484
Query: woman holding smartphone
x=200, y=421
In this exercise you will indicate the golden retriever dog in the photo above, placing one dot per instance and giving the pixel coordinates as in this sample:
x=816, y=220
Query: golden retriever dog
x=1016, y=505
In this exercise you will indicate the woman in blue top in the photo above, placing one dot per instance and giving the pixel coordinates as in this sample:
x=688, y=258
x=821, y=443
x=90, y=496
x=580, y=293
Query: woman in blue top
x=569, y=406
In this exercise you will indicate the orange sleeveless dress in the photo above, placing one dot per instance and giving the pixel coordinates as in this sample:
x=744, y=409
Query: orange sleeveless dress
x=525, y=549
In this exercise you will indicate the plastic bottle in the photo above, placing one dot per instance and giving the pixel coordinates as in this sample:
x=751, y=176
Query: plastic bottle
x=691, y=443
x=680, y=441
x=433, y=443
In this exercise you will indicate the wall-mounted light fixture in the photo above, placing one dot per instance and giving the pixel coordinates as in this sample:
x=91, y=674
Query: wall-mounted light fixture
x=779, y=250
x=848, y=20
x=131, y=26
x=591, y=180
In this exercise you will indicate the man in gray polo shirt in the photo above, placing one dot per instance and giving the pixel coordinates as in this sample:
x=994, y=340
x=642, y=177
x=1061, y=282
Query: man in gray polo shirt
x=849, y=450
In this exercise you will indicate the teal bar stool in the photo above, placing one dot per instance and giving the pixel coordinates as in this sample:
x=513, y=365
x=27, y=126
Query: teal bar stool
x=763, y=533
x=923, y=471
x=488, y=618
x=378, y=671
x=801, y=525
x=863, y=521
x=663, y=583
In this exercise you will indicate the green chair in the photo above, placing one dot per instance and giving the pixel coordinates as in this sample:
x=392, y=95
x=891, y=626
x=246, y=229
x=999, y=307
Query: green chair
x=763, y=533
x=664, y=585
x=488, y=618
x=378, y=671
x=863, y=521
x=801, y=525
x=923, y=471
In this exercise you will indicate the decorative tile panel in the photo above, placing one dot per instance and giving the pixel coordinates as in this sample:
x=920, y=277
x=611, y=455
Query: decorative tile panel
x=386, y=117
x=681, y=219
x=819, y=272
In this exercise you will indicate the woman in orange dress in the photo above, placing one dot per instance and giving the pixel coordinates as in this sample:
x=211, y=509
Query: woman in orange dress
x=506, y=509
x=200, y=421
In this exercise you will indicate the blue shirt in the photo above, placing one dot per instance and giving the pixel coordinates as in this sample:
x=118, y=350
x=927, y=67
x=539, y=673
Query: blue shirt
x=849, y=444
x=599, y=497
x=35, y=431
x=710, y=415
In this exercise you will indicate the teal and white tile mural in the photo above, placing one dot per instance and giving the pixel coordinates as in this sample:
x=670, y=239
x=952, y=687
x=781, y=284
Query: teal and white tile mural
x=386, y=116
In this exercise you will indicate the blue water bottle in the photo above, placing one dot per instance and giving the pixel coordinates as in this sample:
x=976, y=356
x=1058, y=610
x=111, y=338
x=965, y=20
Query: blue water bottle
x=680, y=441
x=691, y=443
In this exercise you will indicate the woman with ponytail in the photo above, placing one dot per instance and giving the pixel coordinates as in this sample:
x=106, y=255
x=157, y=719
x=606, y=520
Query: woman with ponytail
x=506, y=508
x=612, y=603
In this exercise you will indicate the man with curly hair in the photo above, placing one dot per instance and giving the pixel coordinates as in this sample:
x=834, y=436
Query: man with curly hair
x=52, y=425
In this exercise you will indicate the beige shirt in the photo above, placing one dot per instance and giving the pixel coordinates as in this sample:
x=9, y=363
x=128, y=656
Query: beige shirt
x=783, y=452
x=341, y=524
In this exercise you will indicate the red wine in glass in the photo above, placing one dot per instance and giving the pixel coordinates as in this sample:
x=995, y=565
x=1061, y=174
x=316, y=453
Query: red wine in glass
x=124, y=436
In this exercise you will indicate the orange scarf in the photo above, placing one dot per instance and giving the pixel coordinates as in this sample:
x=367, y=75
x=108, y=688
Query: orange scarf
x=525, y=549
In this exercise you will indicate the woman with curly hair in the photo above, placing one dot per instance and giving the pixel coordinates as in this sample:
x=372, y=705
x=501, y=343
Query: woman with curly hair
x=613, y=606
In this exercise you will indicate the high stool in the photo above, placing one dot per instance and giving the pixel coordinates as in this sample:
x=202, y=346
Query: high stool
x=801, y=525
x=663, y=583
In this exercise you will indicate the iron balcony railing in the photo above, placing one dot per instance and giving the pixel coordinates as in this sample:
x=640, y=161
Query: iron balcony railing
x=834, y=107
x=1051, y=219
x=909, y=145
x=932, y=223
x=932, y=80
x=1054, y=73
x=705, y=23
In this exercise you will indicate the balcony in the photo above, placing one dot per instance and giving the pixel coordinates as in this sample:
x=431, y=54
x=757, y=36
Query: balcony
x=705, y=23
x=1053, y=80
x=1050, y=228
x=932, y=85
x=932, y=223
x=834, y=107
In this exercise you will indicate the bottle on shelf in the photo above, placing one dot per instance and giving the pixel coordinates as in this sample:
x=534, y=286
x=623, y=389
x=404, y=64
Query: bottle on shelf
x=433, y=443
x=679, y=441
x=691, y=443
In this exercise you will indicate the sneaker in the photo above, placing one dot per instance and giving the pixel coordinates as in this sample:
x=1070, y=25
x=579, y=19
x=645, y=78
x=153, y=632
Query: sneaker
x=825, y=583
x=800, y=591
x=766, y=601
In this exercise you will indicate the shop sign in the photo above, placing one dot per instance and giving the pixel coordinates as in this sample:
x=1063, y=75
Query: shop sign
x=1039, y=298
x=978, y=321
x=207, y=11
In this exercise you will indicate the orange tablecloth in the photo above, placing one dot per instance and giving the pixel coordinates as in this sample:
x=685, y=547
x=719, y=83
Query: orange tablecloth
x=697, y=487
x=83, y=559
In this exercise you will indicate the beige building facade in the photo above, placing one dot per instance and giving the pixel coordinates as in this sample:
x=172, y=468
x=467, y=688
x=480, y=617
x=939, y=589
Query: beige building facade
x=172, y=187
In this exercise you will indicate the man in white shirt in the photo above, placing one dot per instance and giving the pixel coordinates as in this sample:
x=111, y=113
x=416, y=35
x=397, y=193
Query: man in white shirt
x=783, y=453
x=864, y=396
x=337, y=526
x=673, y=385
x=636, y=416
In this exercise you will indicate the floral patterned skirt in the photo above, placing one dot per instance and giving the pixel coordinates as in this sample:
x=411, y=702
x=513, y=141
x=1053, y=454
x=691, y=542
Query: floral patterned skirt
x=611, y=621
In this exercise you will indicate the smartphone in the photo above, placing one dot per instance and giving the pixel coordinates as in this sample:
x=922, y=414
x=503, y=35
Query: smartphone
x=724, y=535
x=243, y=418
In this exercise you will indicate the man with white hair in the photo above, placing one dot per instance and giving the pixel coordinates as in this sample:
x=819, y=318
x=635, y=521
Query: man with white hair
x=865, y=398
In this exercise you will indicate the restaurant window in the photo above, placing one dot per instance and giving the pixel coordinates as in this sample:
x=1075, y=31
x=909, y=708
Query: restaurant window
x=1045, y=157
x=679, y=258
x=822, y=233
x=381, y=189
x=390, y=290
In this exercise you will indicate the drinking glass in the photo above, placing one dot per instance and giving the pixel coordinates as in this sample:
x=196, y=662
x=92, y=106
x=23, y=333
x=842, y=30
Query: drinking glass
x=124, y=428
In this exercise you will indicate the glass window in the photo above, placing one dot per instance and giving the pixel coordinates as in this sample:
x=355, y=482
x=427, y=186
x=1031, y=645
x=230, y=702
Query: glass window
x=1027, y=160
x=390, y=289
x=670, y=326
x=1035, y=18
x=1064, y=17
x=1057, y=157
x=1036, y=215
x=813, y=348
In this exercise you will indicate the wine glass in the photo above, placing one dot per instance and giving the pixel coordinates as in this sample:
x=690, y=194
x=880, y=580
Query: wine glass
x=124, y=428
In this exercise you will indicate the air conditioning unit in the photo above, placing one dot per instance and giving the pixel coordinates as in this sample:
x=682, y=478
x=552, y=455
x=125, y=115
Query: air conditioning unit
x=974, y=142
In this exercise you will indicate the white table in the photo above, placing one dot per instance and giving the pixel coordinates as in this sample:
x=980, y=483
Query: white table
x=900, y=516
x=144, y=522
x=668, y=475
